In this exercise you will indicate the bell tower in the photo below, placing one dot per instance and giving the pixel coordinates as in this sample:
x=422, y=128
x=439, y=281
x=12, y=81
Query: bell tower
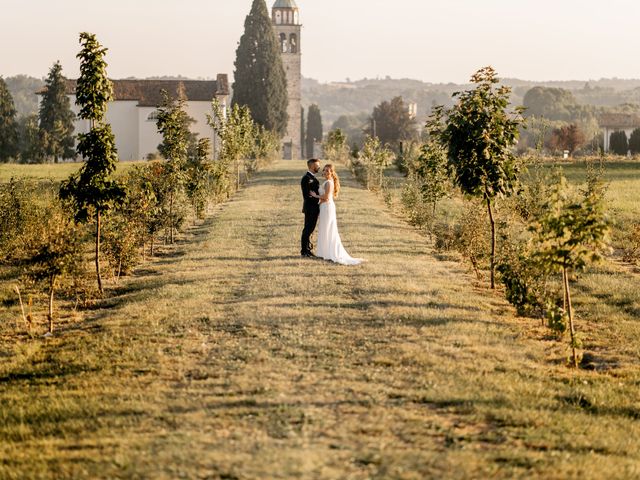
x=286, y=24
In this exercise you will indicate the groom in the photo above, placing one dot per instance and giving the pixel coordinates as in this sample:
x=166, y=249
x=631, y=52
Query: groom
x=310, y=206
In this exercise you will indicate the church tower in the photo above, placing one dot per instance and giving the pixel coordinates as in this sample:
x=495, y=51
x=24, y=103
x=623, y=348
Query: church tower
x=286, y=23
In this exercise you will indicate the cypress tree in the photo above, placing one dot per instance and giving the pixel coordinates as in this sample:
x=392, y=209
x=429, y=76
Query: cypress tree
x=8, y=124
x=303, y=150
x=56, y=117
x=260, y=80
x=314, y=127
x=618, y=143
x=634, y=141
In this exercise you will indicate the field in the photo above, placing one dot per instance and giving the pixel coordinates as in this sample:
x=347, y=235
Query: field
x=48, y=171
x=230, y=357
x=624, y=187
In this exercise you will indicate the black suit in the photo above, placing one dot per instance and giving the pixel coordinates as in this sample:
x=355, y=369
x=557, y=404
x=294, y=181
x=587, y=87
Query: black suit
x=311, y=210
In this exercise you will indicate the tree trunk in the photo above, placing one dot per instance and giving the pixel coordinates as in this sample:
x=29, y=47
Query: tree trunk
x=493, y=243
x=98, y=218
x=171, y=217
x=565, y=277
x=238, y=171
x=24, y=317
x=52, y=286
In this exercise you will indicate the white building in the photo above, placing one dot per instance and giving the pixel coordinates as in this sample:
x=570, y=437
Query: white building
x=133, y=112
x=615, y=122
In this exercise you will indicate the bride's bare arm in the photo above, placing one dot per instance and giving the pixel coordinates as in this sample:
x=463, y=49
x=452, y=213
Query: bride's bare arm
x=328, y=189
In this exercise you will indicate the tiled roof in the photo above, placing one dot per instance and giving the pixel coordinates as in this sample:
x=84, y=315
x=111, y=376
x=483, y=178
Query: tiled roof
x=147, y=92
x=619, y=120
x=285, y=4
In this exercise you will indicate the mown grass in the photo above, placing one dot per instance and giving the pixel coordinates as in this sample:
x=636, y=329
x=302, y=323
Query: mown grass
x=231, y=357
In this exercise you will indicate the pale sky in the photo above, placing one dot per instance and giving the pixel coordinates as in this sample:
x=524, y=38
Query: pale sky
x=433, y=41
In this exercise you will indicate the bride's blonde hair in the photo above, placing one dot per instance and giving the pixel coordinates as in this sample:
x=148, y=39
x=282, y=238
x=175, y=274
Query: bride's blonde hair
x=335, y=178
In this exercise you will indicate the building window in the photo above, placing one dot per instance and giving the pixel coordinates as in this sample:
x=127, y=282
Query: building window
x=295, y=18
x=153, y=116
x=278, y=17
x=283, y=42
x=293, y=43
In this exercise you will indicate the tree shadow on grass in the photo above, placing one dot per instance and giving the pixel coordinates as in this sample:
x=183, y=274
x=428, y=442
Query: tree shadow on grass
x=45, y=371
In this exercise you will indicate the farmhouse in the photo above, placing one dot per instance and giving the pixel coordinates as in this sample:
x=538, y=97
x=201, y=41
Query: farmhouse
x=133, y=112
x=612, y=122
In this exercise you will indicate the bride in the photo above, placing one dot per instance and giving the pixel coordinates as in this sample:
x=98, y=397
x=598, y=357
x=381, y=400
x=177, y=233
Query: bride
x=329, y=243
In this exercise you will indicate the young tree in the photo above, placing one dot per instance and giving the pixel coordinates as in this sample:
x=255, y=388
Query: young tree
x=391, y=122
x=56, y=117
x=479, y=134
x=55, y=252
x=314, y=128
x=336, y=148
x=618, y=142
x=260, y=80
x=433, y=172
x=197, y=177
x=376, y=157
x=236, y=132
x=568, y=137
x=31, y=143
x=8, y=125
x=570, y=233
x=173, y=124
x=92, y=190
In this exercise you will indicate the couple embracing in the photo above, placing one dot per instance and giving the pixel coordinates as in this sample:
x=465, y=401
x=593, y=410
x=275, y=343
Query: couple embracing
x=319, y=209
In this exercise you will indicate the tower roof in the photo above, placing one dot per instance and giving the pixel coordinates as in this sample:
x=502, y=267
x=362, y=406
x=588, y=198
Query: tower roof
x=285, y=4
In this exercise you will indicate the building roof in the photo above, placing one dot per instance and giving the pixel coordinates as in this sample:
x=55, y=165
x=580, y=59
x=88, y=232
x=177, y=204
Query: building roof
x=619, y=120
x=148, y=92
x=285, y=4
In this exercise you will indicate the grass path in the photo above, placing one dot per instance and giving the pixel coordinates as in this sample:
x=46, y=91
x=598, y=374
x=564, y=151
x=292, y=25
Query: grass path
x=234, y=358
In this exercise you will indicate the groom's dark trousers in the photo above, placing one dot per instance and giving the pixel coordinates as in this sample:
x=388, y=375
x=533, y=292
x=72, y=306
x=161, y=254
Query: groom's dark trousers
x=311, y=210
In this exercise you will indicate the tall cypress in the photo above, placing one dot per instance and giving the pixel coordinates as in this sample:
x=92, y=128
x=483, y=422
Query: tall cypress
x=8, y=124
x=302, y=133
x=260, y=80
x=56, y=117
x=314, y=127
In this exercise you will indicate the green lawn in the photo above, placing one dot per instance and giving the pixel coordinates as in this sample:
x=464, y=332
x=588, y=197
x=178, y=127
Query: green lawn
x=47, y=171
x=231, y=357
x=623, y=194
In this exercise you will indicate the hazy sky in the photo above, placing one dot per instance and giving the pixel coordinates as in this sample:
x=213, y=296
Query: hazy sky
x=434, y=41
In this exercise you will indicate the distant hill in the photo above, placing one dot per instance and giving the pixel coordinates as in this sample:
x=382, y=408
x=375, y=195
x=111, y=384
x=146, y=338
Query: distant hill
x=354, y=97
x=359, y=97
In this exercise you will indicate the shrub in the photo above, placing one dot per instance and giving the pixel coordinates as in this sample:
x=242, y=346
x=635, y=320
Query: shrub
x=419, y=213
x=526, y=285
x=631, y=244
x=374, y=158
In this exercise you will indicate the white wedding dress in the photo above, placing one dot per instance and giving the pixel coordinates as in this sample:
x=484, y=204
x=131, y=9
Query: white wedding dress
x=329, y=243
